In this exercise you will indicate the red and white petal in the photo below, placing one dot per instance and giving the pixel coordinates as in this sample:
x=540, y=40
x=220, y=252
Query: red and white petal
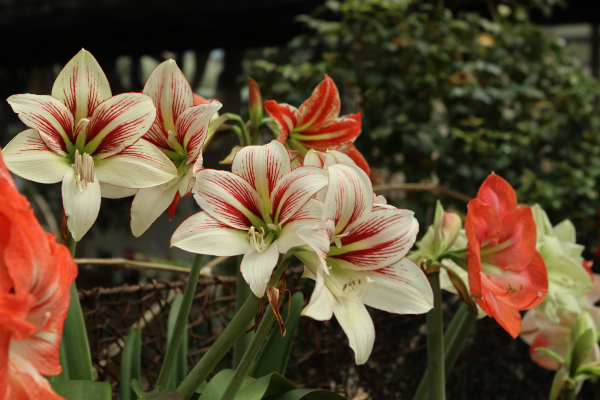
x=358, y=325
x=309, y=214
x=262, y=167
x=202, y=234
x=319, y=237
x=116, y=192
x=170, y=92
x=315, y=158
x=349, y=195
x=401, y=288
x=357, y=158
x=498, y=193
x=192, y=127
x=49, y=116
x=294, y=190
x=377, y=240
x=27, y=383
x=28, y=156
x=81, y=206
x=149, y=204
x=228, y=198
x=140, y=165
x=285, y=116
x=321, y=107
x=331, y=134
x=257, y=268
x=186, y=183
x=318, y=307
x=81, y=85
x=335, y=157
x=117, y=123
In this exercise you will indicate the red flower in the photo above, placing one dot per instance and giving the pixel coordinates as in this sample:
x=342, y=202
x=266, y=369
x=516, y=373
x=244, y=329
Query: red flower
x=317, y=125
x=36, y=274
x=506, y=273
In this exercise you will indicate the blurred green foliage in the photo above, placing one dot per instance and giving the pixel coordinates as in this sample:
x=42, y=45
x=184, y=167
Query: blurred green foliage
x=451, y=98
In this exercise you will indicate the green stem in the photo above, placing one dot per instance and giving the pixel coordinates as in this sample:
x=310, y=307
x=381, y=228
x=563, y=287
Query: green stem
x=227, y=338
x=435, y=342
x=180, y=325
x=244, y=130
x=242, y=370
x=569, y=394
x=242, y=293
x=75, y=353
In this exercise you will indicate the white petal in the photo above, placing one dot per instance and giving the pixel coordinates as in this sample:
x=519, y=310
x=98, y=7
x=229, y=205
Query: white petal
x=141, y=165
x=309, y=214
x=257, y=268
x=81, y=85
x=336, y=157
x=148, y=205
x=319, y=307
x=318, y=237
x=116, y=192
x=349, y=195
x=202, y=234
x=28, y=156
x=358, y=325
x=377, y=239
x=262, y=167
x=294, y=190
x=49, y=116
x=192, y=127
x=228, y=198
x=401, y=288
x=117, y=123
x=314, y=158
x=81, y=206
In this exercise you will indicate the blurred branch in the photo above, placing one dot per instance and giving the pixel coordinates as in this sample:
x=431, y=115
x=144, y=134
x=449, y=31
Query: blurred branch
x=123, y=263
x=422, y=187
x=44, y=208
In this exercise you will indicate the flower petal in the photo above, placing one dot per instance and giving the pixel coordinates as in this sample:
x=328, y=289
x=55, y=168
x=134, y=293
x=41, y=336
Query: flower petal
x=309, y=214
x=27, y=383
x=318, y=237
x=321, y=107
x=81, y=85
x=285, y=116
x=81, y=206
x=401, y=288
x=171, y=93
x=294, y=190
x=315, y=158
x=352, y=152
x=49, y=116
x=358, y=325
x=192, y=127
x=116, y=192
x=148, y=205
x=330, y=134
x=117, y=123
x=202, y=234
x=349, y=195
x=318, y=307
x=498, y=193
x=262, y=167
x=257, y=268
x=140, y=165
x=228, y=198
x=28, y=156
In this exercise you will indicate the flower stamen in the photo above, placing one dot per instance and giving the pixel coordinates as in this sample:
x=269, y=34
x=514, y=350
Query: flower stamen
x=84, y=169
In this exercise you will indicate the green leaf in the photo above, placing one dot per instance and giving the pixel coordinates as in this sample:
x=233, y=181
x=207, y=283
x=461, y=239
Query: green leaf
x=217, y=385
x=180, y=370
x=275, y=354
x=557, y=384
x=582, y=349
x=131, y=363
x=308, y=394
x=551, y=353
x=83, y=390
x=166, y=395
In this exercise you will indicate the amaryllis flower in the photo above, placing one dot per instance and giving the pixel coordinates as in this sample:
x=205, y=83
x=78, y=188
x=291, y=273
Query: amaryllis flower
x=179, y=131
x=317, y=125
x=36, y=274
x=255, y=210
x=506, y=273
x=357, y=256
x=88, y=140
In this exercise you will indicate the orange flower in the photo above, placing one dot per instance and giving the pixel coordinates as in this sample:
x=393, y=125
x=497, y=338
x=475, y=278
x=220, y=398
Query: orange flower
x=317, y=125
x=506, y=273
x=36, y=274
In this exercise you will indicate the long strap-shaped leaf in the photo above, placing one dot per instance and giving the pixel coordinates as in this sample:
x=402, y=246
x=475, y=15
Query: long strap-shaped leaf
x=131, y=363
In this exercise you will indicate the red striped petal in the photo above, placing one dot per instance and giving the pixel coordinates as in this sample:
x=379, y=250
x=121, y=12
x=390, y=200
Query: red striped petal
x=285, y=116
x=321, y=107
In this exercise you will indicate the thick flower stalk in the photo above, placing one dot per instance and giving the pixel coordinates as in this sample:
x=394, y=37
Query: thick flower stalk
x=88, y=140
x=255, y=210
x=356, y=255
x=317, y=125
x=506, y=273
x=179, y=131
x=36, y=274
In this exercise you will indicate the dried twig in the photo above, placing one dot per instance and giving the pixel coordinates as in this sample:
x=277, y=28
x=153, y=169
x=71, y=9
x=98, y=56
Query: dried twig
x=148, y=266
x=422, y=187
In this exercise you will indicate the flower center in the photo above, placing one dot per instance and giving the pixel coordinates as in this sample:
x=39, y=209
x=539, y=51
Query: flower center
x=259, y=239
x=84, y=169
x=343, y=285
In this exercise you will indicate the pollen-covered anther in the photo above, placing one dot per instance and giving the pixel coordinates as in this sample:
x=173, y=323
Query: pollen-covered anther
x=84, y=169
x=356, y=289
x=257, y=239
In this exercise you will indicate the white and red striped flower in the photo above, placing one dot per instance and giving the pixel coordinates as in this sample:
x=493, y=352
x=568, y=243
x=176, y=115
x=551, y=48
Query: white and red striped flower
x=36, y=274
x=179, y=130
x=88, y=140
x=317, y=124
x=256, y=210
x=358, y=257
